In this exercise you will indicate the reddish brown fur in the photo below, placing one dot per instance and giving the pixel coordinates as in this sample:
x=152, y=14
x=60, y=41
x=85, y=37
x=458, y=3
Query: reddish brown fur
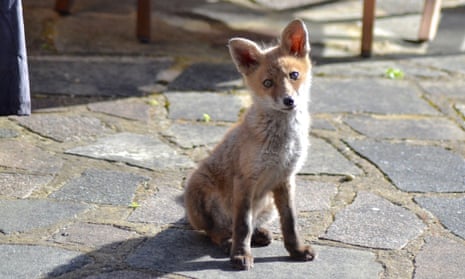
x=235, y=191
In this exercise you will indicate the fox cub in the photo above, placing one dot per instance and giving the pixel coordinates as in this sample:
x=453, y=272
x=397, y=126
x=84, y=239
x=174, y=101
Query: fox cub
x=236, y=190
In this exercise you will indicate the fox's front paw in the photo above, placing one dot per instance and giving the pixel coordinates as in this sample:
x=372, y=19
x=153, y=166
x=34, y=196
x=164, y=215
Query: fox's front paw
x=242, y=262
x=303, y=253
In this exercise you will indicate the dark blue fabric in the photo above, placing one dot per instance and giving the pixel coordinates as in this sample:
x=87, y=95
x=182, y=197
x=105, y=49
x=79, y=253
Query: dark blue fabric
x=14, y=76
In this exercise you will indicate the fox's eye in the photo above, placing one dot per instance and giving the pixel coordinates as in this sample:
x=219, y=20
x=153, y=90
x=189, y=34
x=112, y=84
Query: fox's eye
x=294, y=75
x=267, y=83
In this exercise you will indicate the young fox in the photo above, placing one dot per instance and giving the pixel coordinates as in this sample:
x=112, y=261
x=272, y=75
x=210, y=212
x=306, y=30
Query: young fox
x=235, y=191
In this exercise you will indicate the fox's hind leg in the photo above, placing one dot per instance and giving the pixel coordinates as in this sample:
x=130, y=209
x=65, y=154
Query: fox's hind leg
x=204, y=210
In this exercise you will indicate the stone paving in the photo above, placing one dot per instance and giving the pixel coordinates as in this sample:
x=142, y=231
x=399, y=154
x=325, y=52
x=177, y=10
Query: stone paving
x=95, y=190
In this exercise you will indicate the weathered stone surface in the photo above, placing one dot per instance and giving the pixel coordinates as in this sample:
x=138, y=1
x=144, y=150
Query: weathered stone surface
x=322, y=124
x=134, y=149
x=191, y=254
x=450, y=211
x=367, y=95
x=444, y=88
x=125, y=109
x=193, y=106
x=313, y=195
x=8, y=133
x=64, y=128
x=93, y=76
x=24, y=215
x=124, y=274
x=452, y=63
x=207, y=77
x=164, y=208
x=461, y=109
x=323, y=158
x=427, y=128
x=101, y=186
x=21, y=185
x=193, y=135
x=93, y=235
x=440, y=258
x=415, y=168
x=29, y=261
x=24, y=156
x=372, y=221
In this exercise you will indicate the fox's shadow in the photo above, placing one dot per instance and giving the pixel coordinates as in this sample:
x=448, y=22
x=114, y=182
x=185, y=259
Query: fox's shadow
x=174, y=250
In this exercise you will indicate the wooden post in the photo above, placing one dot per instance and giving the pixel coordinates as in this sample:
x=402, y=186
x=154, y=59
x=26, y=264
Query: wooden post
x=429, y=20
x=63, y=7
x=367, y=27
x=143, y=20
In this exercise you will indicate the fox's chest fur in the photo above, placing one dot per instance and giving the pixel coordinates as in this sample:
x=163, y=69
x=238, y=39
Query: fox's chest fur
x=284, y=140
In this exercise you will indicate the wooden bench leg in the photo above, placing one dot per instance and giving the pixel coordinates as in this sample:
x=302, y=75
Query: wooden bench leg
x=63, y=7
x=367, y=27
x=143, y=20
x=429, y=20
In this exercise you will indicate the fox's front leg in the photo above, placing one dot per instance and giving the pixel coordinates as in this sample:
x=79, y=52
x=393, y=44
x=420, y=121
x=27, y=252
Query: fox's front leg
x=241, y=254
x=284, y=199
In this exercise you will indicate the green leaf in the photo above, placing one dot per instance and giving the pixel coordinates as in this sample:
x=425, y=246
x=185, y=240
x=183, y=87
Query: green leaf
x=393, y=73
x=206, y=117
x=134, y=205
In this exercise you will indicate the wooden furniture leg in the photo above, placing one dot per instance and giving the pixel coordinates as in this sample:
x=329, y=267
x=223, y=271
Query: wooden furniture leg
x=143, y=16
x=429, y=20
x=143, y=20
x=367, y=27
x=63, y=7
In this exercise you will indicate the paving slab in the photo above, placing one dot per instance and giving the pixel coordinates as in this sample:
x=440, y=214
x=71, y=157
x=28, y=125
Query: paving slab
x=163, y=208
x=93, y=76
x=401, y=128
x=6, y=133
x=122, y=108
x=192, y=254
x=381, y=96
x=377, y=69
x=415, y=168
x=193, y=106
x=25, y=215
x=64, y=128
x=323, y=158
x=440, y=258
x=322, y=124
x=93, y=235
x=372, y=221
x=22, y=155
x=102, y=187
x=189, y=135
x=19, y=185
x=461, y=109
x=452, y=89
x=449, y=63
x=30, y=261
x=449, y=211
x=313, y=195
x=124, y=274
x=207, y=77
x=134, y=149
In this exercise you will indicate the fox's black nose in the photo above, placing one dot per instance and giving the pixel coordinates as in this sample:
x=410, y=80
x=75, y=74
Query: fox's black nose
x=288, y=101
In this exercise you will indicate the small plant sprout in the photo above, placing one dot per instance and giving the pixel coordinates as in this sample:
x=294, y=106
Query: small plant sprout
x=393, y=73
x=134, y=205
x=206, y=117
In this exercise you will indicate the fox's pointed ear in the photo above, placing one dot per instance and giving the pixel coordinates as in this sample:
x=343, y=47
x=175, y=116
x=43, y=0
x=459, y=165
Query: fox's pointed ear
x=245, y=54
x=294, y=39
